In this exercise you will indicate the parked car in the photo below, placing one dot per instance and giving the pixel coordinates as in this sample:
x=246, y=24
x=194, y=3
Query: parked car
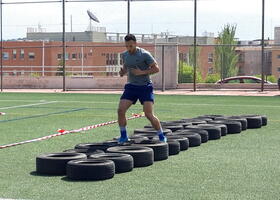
x=242, y=79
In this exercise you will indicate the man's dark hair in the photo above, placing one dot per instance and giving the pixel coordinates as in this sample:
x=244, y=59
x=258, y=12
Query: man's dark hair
x=130, y=37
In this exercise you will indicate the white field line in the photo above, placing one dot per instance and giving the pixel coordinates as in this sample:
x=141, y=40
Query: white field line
x=27, y=105
x=171, y=104
x=181, y=104
x=18, y=100
x=13, y=199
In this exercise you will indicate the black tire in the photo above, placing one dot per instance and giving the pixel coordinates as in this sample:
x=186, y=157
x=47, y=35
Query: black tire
x=123, y=162
x=137, y=138
x=93, y=146
x=55, y=163
x=207, y=119
x=111, y=143
x=254, y=121
x=142, y=156
x=146, y=135
x=214, y=133
x=210, y=116
x=233, y=126
x=85, y=151
x=173, y=122
x=203, y=133
x=194, y=138
x=179, y=122
x=133, y=138
x=223, y=127
x=242, y=120
x=184, y=141
x=173, y=127
x=90, y=169
x=160, y=149
x=173, y=147
x=150, y=131
x=195, y=121
x=264, y=120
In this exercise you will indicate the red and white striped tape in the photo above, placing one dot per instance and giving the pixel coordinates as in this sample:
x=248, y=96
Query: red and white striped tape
x=64, y=132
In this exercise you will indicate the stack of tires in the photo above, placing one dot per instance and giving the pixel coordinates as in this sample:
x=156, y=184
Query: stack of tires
x=100, y=161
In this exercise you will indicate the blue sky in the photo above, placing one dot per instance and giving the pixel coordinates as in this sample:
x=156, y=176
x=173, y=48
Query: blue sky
x=146, y=17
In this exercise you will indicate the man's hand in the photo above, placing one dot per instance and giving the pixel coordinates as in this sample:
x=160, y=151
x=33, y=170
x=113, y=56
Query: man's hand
x=137, y=72
x=122, y=72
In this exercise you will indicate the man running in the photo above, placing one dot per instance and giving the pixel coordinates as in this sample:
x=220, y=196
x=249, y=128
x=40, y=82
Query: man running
x=139, y=64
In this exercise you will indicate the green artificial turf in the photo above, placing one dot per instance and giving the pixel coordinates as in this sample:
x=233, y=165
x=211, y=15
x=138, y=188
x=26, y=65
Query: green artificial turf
x=241, y=166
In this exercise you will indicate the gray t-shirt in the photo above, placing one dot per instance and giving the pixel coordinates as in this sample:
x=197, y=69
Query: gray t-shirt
x=140, y=59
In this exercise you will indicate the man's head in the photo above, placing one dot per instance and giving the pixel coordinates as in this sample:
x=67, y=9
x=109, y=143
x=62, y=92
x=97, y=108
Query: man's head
x=130, y=43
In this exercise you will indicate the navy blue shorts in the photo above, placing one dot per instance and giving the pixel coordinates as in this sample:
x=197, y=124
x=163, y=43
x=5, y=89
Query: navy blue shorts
x=141, y=92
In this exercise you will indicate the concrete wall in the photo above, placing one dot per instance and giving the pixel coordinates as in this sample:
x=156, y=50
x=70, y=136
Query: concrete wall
x=276, y=62
x=56, y=82
x=246, y=86
x=104, y=83
x=170, y=66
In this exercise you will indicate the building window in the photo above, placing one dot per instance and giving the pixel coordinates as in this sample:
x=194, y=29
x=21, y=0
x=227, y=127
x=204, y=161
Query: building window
x=5, y=56
x=121, y=59
x=14, y=54
x=80, y=56
x=21, y=54
x=59, y=56
x=107, y=59
x=67, y=55
x=74, y=56
x=210, y=70
x=115, y=59
x=111, y=59
x=210, y=58
x=31, y=55
x=278, y=56
x=278, y=69
x=183, y=57
x=90, y=53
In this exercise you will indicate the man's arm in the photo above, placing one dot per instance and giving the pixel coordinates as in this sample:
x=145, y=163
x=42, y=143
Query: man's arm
x=123, y=71
x=153, y=69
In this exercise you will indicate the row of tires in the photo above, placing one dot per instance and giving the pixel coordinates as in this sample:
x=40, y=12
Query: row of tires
x=99, y=161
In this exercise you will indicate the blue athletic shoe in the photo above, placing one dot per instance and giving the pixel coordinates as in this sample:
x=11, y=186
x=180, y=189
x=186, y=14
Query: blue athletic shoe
x=162, y=138
x=123, y=140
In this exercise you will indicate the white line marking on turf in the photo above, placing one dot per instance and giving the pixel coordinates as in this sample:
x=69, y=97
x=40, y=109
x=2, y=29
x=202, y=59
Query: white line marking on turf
x=13, y=199
x=181, y=104
x=27, y=105
x=19, y=100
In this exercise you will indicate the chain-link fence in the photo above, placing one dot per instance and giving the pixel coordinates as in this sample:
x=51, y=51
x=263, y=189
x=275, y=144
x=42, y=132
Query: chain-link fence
x=57, y=54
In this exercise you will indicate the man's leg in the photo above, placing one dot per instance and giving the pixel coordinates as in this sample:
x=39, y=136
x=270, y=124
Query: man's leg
x=149, y=113
x=123, y=107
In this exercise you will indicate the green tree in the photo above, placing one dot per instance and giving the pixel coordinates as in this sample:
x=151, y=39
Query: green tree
x=226, y=57
x=186, y=74
x=212, y=78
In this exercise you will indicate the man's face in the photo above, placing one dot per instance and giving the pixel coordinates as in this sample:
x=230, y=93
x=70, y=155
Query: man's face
x=130, y=46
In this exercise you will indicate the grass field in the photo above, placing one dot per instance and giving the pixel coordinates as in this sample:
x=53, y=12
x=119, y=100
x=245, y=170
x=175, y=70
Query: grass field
x=242, y=166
